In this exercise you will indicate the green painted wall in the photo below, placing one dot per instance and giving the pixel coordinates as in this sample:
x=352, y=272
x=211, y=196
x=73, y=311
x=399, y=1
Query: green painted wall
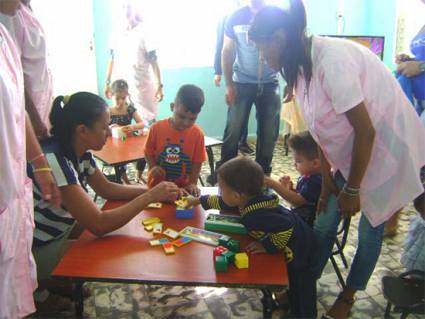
x=362, y=17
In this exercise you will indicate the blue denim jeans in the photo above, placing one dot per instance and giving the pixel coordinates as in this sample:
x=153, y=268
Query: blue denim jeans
x=267, y=104
x=369, y=242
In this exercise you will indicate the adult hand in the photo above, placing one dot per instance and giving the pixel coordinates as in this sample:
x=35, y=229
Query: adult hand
x=409, y=68
x=230, y=94
x=157, y=172
x=401, y=58
x=107, y=91
x=193, y=190
x=164, y=192
x=217, y=80
x=49, y=189
x=159, y=95
x=255, y=248
x=348, y=204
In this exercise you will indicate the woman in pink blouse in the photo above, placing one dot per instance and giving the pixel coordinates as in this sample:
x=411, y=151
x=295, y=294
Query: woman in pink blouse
x=17, y=145
x=372, y=142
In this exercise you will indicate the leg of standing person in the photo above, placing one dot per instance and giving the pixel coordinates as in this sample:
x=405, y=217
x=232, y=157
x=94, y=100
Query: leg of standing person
x=268, y=107
x=237, y=115
x=243, y=141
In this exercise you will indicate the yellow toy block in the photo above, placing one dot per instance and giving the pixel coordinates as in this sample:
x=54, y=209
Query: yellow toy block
x=157, y=228
x=181, y=203
x=171, y=233
x=241, y=260
x=151, y=221
x=168, y=248
x=148, y=227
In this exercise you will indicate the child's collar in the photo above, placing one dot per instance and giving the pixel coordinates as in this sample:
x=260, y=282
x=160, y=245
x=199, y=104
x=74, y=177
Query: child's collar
x=260, y=202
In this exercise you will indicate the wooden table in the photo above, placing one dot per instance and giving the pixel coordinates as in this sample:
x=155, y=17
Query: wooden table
x=126, y=256
x=116, y=152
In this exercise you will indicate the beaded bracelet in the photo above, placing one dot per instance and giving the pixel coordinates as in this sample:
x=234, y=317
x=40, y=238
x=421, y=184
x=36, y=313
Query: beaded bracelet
x=42, y=169
x=347, y=192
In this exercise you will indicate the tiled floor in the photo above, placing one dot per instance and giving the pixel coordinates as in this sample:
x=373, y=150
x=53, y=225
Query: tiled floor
x=139, y=301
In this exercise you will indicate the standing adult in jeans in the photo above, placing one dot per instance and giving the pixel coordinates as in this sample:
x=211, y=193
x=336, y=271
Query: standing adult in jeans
x=248, y=81
x=243, y=144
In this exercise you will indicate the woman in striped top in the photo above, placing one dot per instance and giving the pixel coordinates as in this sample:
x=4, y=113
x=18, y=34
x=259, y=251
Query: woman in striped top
x=81, y=123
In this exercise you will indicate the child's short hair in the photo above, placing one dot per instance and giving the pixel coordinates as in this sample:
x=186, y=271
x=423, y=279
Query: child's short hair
x=191, y=97
x=419, y=204
x=243, y=175
x=305, y=144
x=119, y=86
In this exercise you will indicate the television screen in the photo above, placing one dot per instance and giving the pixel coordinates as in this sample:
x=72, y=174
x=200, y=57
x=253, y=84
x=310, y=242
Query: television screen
x=375, y=43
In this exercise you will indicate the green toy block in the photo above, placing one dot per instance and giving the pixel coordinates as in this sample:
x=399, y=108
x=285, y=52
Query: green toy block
x=225, y=223
x=223, y=240
x=221, y=264
x=230, y=257
x=234, y=245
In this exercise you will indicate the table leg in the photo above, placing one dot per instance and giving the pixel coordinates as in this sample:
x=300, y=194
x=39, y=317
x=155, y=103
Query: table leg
x=210, y=159
x=268, y=303
x=117, y=174
x=79, y=299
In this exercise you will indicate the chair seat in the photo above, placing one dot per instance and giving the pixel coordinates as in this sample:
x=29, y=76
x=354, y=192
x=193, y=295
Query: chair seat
x=404, y=292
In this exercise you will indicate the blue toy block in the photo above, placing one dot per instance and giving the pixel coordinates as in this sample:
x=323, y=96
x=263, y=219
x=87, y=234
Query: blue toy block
x=184, y=213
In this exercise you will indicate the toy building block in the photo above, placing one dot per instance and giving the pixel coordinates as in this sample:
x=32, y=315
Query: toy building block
x=223, y=240
x=157, y=242
x=168, y=248
x=218, y=251
x=220, y=264
x=241, y=260
x=171, y=233
x=148, y=227
x=181, y=241
x=230, y=257
x=182, y=209
x=155, y=205
x=226, y=223
x=233, y=245
x=157, y=228
x=150, y=221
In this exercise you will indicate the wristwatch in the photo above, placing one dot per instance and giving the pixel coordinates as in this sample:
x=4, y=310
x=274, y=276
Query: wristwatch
x=422, y=67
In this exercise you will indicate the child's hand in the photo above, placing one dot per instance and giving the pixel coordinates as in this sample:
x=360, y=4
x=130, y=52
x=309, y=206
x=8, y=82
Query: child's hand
x=127, y=128
x=192, y=201
x=157, y=172
x=193, y=190
x=286, y=182
x=255, y=248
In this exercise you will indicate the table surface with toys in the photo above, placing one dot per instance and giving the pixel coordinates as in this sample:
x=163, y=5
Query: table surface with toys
x=168, y=244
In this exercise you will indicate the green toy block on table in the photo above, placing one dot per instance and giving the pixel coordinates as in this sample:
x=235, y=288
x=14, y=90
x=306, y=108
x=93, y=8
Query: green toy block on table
x=226, y=223
x=233, y=245
x=241, y=260
x=221, y=264
x=224, y=240
x=230, y=257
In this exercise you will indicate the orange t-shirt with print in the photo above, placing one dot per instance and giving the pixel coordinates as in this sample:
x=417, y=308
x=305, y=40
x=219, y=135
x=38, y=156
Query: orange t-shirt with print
x=175, y=151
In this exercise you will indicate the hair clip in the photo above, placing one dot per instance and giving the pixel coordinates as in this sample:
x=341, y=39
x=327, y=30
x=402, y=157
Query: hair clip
x=65, y=99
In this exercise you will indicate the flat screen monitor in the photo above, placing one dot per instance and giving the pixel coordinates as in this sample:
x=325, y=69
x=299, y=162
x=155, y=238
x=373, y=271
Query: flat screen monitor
x=374, y=43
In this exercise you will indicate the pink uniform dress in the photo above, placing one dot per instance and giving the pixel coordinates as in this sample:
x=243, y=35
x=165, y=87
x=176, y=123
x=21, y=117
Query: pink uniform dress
x=30, y=39
x=17, y=267
x=131, y=64
x=344, y=75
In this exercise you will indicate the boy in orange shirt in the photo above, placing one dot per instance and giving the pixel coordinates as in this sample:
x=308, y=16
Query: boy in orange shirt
x=175, y=146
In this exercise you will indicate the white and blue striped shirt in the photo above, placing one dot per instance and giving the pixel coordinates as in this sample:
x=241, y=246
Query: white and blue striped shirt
x=51, y=222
